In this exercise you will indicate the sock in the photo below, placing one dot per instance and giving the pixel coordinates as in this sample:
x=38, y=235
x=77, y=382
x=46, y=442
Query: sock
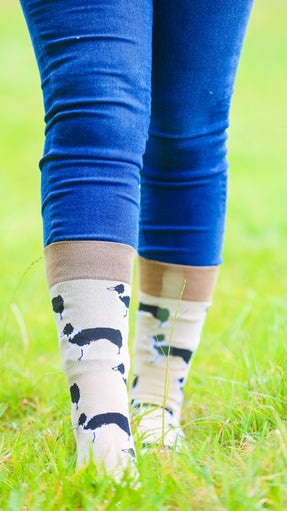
x=90, y=288
x=164, y=346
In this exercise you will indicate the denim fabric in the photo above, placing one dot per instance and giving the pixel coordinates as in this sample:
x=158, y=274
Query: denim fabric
x=137, y=92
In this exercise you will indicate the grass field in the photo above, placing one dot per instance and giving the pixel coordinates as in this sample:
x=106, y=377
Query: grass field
x=236, y=397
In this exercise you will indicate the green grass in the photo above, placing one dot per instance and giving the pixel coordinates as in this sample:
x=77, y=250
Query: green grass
x=235, y=399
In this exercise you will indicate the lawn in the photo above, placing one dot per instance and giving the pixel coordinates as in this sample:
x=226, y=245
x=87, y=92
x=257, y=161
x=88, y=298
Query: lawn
x=236, y=397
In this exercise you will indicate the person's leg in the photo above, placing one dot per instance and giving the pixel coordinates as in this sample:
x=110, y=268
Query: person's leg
x=95, y=65
x=196, y=50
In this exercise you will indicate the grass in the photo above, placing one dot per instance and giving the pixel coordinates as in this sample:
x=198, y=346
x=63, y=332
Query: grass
x=167, y=374
x=235, y=399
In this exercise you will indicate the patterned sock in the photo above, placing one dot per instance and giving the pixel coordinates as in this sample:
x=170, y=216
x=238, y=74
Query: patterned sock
x=159, y=352
x=90, y=288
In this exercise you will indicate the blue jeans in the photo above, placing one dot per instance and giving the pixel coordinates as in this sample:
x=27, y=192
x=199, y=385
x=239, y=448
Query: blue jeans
x=137, y=92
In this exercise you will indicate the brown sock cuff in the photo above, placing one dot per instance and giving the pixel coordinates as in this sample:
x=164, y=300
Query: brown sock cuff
x=163, y=279
x=88, y=259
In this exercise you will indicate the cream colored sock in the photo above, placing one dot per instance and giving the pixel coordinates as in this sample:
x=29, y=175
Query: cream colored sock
x=91, y=316
x=164, y=344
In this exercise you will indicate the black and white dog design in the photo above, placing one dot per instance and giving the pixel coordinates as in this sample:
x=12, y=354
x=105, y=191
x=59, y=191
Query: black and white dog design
x=96, y=422
x=83, y=338
x=138, y=404
x=75, y=395
x=120, y=290
x=160, y=347
x=58, y=306
x=180, y=384
x=131, y=452
x=156, y=312
x=135, y=381
x=121, y=369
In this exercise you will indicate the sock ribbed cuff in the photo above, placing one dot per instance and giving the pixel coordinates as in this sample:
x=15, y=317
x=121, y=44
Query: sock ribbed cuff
x=167, y=280
x=88, y=259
